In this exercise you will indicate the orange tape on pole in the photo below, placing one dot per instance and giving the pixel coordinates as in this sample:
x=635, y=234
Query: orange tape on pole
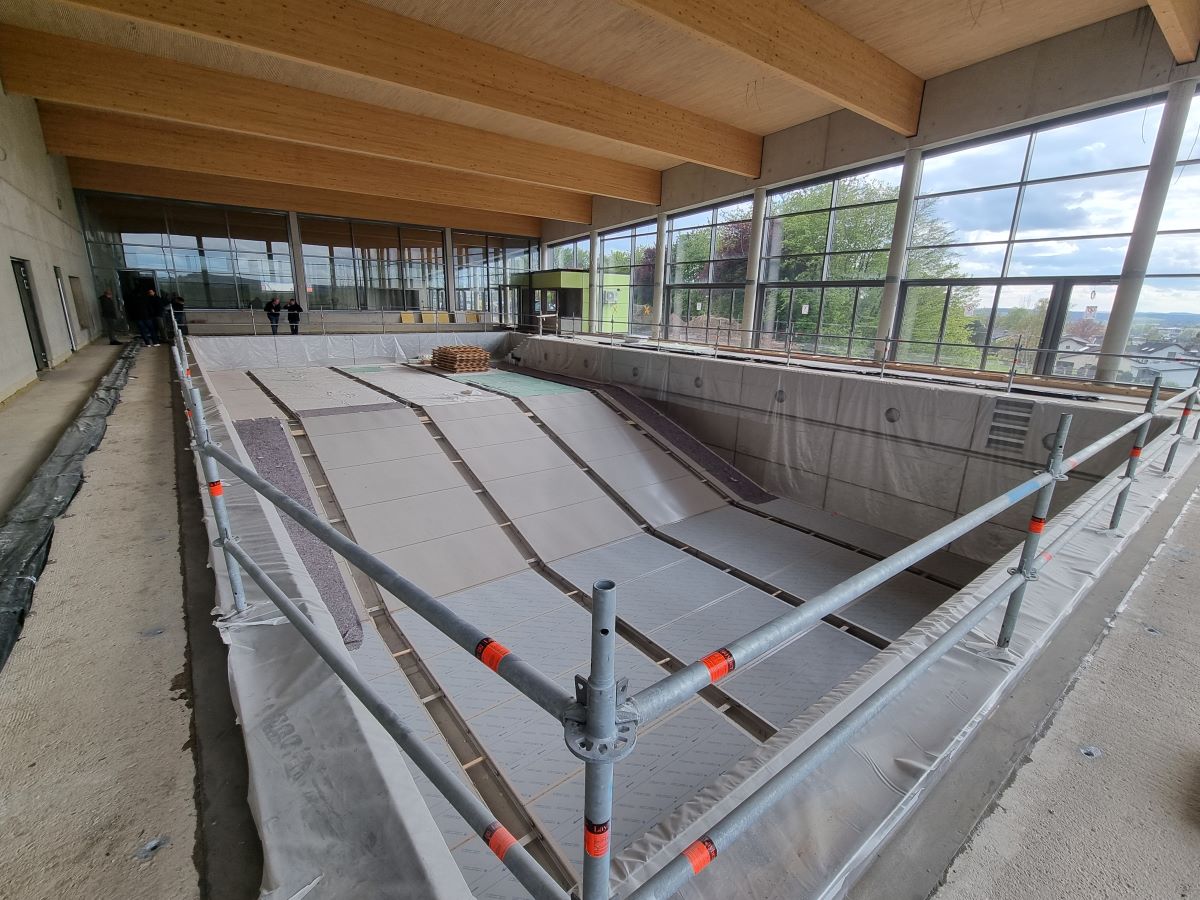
x=1036, y=525
x=719, y=664
x=595, y=838
x=1135, y=452
x=489, y=651
x=498, y=838
x=215, y=488
x=1186, y=412
x=700, y=854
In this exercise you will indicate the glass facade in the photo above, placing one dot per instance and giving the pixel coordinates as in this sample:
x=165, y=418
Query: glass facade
x=574, y=254
x=234, y=258
x=825, y=253
x=209, y=255
x=707, y=254
x=627, y=278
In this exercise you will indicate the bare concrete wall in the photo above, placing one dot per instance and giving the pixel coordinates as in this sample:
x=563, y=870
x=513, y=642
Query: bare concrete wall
x=1120, y=58
x=901, y=455
x=38, y=223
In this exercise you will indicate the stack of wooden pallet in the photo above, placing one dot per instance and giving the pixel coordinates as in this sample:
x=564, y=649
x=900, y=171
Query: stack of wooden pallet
x=457, y=358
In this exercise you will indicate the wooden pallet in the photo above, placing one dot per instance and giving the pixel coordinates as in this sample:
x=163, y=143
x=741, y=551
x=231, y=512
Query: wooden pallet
x=458, y=358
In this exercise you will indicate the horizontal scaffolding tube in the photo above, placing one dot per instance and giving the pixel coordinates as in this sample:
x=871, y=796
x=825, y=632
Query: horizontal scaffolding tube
x=668, y=693
x=499, y=840
x=676, y=873
x=525, y=677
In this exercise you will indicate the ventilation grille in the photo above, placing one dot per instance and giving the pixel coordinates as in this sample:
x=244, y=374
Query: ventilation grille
x=1010, y=425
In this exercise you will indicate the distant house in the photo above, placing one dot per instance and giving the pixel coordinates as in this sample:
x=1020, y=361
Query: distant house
x=1078, y=358
x=1166, y=358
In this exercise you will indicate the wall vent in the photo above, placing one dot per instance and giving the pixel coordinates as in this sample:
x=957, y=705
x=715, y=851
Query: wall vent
x=1010, y=425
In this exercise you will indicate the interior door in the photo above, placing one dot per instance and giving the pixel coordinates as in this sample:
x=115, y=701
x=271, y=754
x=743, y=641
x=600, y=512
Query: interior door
x=37, y=340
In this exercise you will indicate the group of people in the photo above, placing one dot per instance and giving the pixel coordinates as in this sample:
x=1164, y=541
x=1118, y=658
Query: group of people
x=152, y=314
x=273, y=308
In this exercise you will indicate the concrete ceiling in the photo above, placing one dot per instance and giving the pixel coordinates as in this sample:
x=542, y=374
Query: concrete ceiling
x=591, y=97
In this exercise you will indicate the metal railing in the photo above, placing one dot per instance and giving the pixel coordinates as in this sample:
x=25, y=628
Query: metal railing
x=1002, y=361
x=600, y=723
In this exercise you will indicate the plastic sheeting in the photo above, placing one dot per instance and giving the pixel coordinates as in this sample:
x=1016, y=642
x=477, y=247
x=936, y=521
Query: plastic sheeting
x=815, y=842
x=338, y=811
x=906, y=455
x=27, y=528
x=269, y=352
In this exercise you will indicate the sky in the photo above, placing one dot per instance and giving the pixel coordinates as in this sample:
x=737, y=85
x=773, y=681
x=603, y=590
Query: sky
x=1069, y=220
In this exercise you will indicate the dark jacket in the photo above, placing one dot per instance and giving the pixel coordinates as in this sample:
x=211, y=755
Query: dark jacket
x=139, y=307
x=108, y=307
x=272, y=308
x=294, y=309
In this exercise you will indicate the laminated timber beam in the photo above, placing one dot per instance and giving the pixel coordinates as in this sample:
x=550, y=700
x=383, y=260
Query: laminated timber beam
x=802, y=45
x=46, y=66
x=135, y=140
x=1180, y=24
x=354, y=37
x=148, y=181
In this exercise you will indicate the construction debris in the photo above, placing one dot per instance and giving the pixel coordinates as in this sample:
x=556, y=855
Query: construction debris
x=459, y=358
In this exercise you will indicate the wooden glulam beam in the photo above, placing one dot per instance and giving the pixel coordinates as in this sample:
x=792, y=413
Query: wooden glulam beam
x=45, y=66
x=1180, y=24
x=116, y=137
x=813, y=51
x=148, y=181
x=354, y=37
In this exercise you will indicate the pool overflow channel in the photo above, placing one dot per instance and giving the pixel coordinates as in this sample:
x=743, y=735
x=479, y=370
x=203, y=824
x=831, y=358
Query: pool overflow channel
x=600, y=721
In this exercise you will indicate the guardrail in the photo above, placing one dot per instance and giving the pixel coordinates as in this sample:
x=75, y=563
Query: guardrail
x=1010, y=361
x=600, y=723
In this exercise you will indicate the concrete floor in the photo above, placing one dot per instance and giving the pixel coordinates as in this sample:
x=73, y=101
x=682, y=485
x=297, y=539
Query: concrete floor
x=1108, y=805
x=96, y=768
x=32, y=420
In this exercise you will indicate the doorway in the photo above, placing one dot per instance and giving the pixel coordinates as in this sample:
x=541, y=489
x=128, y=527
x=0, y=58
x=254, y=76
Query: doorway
x=37, y=340
x=134, y=283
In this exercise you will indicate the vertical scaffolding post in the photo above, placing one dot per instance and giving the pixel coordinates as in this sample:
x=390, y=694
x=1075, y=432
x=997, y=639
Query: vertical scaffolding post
x=216, y=492
x=601, y=728
x=1135, y=452
x=1033, y=536
x=596, y=734
x=1183, y=420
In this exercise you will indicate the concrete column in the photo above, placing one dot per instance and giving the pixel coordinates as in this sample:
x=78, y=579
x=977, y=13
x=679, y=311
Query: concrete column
x=660, y=276
x=753, y=264
x=448, y=266
x=297, y=250
x=596, y=307
x=898, y=252
x=1145, y=226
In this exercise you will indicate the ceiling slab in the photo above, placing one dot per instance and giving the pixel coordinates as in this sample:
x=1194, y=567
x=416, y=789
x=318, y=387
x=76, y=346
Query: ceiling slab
x=364, y=40
x=120, y=80
x=148, y=181
x=817, y=54
x=114, y=137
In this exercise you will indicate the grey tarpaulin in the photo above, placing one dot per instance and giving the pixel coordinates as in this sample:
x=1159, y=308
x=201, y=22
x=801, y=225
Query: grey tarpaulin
x=269, y=352
x=337, y=809
x=27, y=528
x=816, y=842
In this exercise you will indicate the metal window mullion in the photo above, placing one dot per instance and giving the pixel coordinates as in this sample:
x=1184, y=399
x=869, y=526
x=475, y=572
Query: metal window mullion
x=937, y=348
x=1020, y=201
x=991, y=326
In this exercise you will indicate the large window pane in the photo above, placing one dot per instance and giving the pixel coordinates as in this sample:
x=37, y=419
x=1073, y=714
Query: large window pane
x=1103, y=204
x=257, y=231
x=973, y=218
x=326, y=237
x=869, y=187
x=863, y=227
x=790, y=235
x=1116, y=141
x=924, y=308
x=999, y=162
x=979, y=261
x=802, y=199
x=198, y=227
x=837, y=317
x=1090, y=256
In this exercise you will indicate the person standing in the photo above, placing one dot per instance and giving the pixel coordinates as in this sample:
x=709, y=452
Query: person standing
x=272, y=309
x=141, y=310
x=108, y=315
x=293, y=310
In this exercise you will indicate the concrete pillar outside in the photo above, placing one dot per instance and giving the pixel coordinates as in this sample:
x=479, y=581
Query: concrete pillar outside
x=448, y=266
x=660, y=276
x=296, y=247
x=595, y=303
x=897, y=254
x=753, y=265
x=1145, y=226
